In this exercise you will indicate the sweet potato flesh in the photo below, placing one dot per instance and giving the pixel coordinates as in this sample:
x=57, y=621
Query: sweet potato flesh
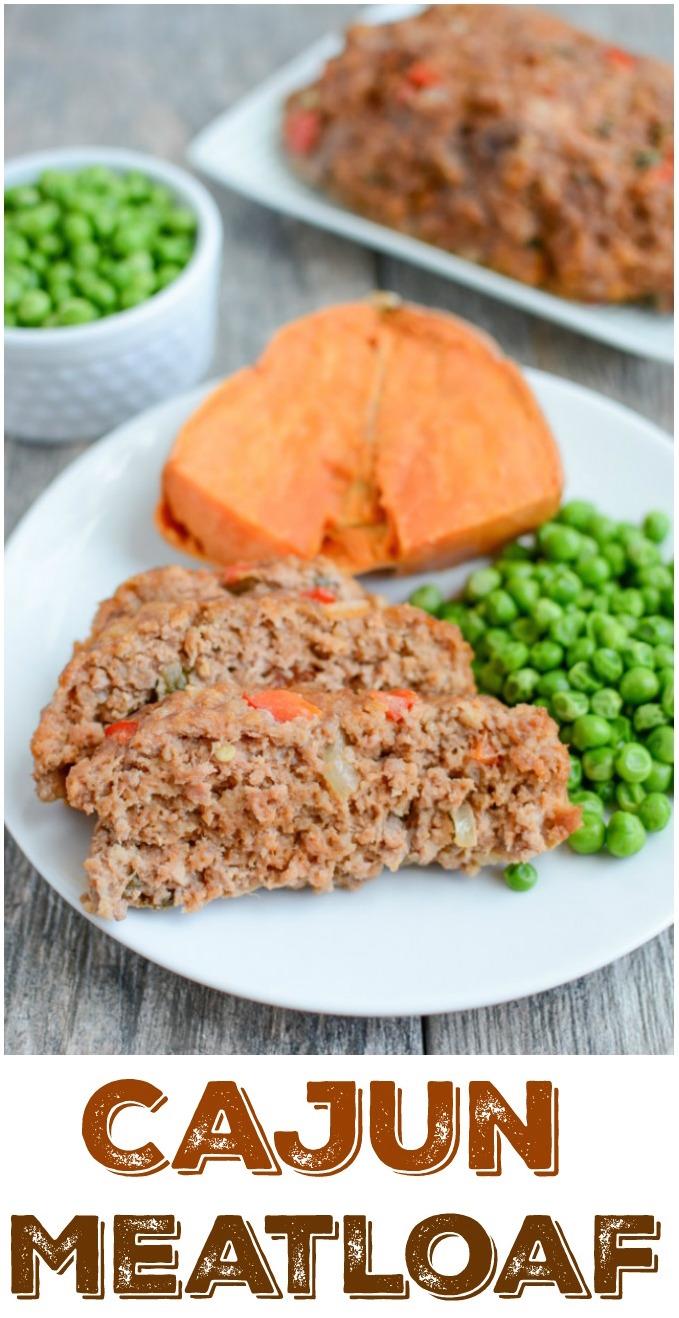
x=381, y=436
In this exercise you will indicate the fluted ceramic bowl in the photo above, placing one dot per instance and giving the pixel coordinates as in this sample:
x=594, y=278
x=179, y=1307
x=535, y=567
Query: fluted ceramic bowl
x=78, y=381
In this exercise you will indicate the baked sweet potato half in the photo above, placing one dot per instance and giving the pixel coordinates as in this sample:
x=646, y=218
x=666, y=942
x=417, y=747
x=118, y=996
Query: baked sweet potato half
x=380, y=434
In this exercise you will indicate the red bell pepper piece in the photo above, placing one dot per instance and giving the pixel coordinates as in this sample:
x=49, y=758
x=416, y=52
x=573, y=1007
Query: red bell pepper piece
x=320, y=595
x=122, y=731
x=284, y=705
x=301, y=131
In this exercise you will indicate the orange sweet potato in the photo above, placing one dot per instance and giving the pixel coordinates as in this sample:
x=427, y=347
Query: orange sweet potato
x=381, y=434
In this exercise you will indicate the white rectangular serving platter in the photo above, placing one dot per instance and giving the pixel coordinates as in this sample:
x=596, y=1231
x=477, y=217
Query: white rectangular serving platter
x=241, y=150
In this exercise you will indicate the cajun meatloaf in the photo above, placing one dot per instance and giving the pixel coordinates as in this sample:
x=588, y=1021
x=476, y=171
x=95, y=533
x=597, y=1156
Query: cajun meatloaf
x=506, y=136
x=273, y=639
x=218, y=792
x=320, y=580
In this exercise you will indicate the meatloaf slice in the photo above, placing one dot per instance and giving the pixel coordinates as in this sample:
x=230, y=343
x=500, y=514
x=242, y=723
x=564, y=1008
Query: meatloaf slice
x=320, y=579
x=270, y=640
x=218, y=792
x=503, y=134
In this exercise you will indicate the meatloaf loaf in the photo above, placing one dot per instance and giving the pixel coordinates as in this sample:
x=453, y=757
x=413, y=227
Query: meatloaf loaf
x=504, y=135
x=215, y=793
x=274, y=639
x=319, y=579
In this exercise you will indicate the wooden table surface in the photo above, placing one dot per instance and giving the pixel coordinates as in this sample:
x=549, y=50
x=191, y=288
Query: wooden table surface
x=148, y=77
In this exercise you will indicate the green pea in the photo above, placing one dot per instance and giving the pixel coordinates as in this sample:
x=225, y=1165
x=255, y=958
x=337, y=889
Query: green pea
x=605, y=790
x=633, y=763
x=615, y=557
x=104, y=221
x=39, y=220
x=607, y=664
x=564, y=588
x=663, y=656
x=56, y=184
x=667, y=603
x=638, y=654
x=500, y=607
x=14, y=291
x=137, y=186
x=602, y=528
x=472, y=626
x=638, y=686
x=166, y=274
x=625, y=834
x=180, y=220
x=494, y=642
x=657, y=576
x=482, y=582
x=60, y=292
x=545, y=613
x=551, y=682
x=651, y=598
x=85, y=256
x=575, y=775
x=24, y=275
x=520, y=685
x=582, y=678
x=33, y=308
x=607, y=703
x=667, y=700
x=584, y=599
x=593, y=571
x=97, y=291
x=452, y=611
x=513, y=657
x=661, y=745
x=16, y=247
x=524, y=591
x=77, y=229
x=540, y=702
x=175, y=250
x=38, y=262
x=646, y=717
x=655, y=630
x=491, y=678
x=655, y=812
x=515, y=552
x=589, y=730
x=599, y=764
x=589, y=801
x=428, y=598
x=659, y=779
x=566, y=629
x=628, y=601
x=577, y=513
x=133, y=295
x=568, y=706
x=629, y=796
x=131, y=238
x=546, y=655
x=559, y=543
x=581, y=651
x=22, y=197
x=98, y=177
x=589, y=837
x=642, y=553
x=520, y=878
x=564, y=731
x=525, y=630
x=10, y=318
x=621, y=729
x=76, y=311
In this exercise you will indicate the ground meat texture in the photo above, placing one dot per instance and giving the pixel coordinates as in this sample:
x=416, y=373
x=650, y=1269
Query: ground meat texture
x=211, y=797
x=320, y=578
x=504, y=135
x=276, y=640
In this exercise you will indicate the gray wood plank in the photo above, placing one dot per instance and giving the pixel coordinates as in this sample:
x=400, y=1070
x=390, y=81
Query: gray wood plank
x=149, y=76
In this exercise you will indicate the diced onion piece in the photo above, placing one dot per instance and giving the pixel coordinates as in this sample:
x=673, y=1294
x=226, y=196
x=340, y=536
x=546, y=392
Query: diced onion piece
x=346, y=608
x=224, y=752
x=464, y=826
x=339, y=774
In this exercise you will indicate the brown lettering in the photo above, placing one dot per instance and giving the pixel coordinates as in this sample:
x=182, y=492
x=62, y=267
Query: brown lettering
x=99, y=1115
x=536, y=1141
x=386, y=1134
x=231, y=1256
x=206, y=1141
x=479, y=1269
x=611, y=1259
x=359, y=1279
x=82, y=1240
x=302, y=1232
x=558, y=1266
x=343, y=1102
x=138, y=1244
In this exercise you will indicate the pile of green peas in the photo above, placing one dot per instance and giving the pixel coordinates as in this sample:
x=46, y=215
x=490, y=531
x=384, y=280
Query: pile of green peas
x=579, y=619
x=84, y=244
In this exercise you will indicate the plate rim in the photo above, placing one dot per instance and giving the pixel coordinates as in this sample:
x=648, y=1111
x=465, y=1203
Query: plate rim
x=650, y=433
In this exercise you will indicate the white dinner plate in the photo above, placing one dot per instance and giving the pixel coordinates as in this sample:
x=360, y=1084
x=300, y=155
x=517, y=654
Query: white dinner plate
x=420, y=941
x=240, y=149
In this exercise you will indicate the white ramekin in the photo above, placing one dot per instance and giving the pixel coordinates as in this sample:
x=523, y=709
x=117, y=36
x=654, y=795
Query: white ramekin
x=77, y=382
